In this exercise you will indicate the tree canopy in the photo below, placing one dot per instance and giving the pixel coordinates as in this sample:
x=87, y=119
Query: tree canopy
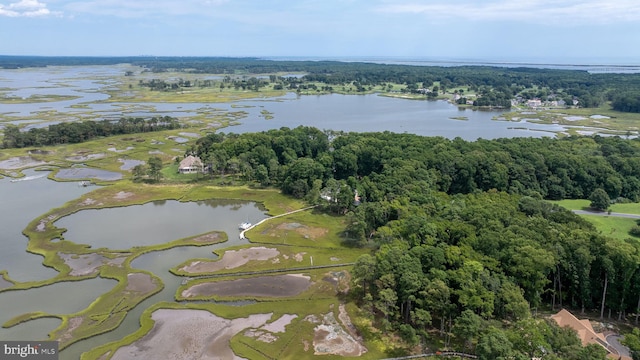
x=77, y=132
x=461, y=231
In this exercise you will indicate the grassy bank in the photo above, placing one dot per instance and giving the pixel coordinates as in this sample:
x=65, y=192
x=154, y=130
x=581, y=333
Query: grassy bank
x=295, y=343
x=612, y=226
x=607, y=120
x=109, y=309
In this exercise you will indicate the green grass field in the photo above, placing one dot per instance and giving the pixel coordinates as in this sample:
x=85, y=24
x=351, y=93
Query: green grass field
x=615, y=227
x=610, y=226
x=581, y=204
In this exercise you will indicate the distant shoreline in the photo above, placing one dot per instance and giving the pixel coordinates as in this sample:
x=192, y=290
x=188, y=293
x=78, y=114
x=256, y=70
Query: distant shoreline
x=613, y=65
x=591, y=66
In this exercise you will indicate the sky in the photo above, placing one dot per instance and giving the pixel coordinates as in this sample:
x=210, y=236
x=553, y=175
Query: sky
x=575, y=31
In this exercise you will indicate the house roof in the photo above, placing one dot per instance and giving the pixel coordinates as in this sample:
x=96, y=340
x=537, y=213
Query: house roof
x=583, y=327
x=585, y=332
x=190, y=161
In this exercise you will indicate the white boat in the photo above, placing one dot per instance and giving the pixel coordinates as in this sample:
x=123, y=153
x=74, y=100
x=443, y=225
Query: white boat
x=244, y=225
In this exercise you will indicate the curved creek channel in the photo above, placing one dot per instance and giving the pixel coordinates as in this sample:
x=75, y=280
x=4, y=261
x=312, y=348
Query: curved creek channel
x=116, y=228
x=160, y=222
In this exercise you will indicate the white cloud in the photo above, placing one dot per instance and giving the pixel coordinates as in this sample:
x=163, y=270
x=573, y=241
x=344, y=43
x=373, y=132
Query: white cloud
x=27, y=8
x=534, y=11
x=144, y=8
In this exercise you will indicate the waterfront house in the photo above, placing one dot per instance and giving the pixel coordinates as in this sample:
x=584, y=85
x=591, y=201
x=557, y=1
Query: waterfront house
x=190, y=165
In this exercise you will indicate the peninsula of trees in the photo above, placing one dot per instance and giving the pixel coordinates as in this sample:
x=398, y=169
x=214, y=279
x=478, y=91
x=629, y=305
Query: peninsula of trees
x=462, y=233
x=77, y=132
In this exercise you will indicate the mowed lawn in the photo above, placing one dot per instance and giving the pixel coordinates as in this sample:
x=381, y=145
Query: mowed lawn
x=612, y=226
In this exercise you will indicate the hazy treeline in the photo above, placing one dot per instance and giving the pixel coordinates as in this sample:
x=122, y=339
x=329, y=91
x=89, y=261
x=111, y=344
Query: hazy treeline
x=251, y=83
x=77, y=132
x=590, y=90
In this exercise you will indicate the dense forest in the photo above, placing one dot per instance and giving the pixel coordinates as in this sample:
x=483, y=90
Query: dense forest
x=77, y=132
x=294, y=159
x=627, y=102
x=499, y=83
x=461, y=231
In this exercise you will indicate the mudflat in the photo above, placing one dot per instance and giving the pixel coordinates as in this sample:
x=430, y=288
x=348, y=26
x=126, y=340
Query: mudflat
x=189, y=334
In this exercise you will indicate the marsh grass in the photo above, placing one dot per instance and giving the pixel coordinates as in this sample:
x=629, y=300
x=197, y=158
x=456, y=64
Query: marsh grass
x=320, y=239
x=27, y=317
x=318, y=288
x=305, y=229
x=288, y=345
x=266, y=114
x=109, y=309
x=190, y=95
x=617, y=123
x=289, y=342
x=274, y=202
x=37, y=99
x=285, y=260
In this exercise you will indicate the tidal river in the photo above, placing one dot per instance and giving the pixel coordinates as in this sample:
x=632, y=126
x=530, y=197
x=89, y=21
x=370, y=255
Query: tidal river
x=21, y=202
x=83, y=91
x=116, y=228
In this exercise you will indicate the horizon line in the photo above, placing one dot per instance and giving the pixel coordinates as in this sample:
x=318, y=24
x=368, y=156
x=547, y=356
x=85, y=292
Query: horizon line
x=374, y=58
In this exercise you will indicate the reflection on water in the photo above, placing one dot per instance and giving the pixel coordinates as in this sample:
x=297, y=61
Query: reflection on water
x=38, y=329
x=23, y=201
x=336, y=112
x=34, y=198
x=368, y=113
x=52, y=299
x=130, y=164
x=76, y=173
x=157, y=222
x=160, y=262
